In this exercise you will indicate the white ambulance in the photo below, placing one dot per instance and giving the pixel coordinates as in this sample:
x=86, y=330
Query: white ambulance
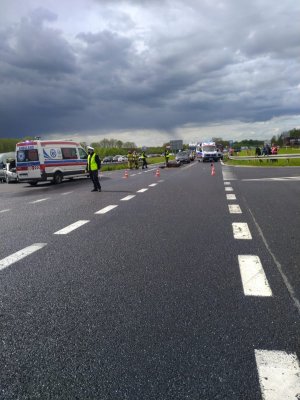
x=42, y=160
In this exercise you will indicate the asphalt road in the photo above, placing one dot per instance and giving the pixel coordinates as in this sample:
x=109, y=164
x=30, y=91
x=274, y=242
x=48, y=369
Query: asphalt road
x=148, y=300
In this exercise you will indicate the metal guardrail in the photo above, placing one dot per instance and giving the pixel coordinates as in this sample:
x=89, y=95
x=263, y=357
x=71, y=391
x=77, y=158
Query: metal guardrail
x=268, y=157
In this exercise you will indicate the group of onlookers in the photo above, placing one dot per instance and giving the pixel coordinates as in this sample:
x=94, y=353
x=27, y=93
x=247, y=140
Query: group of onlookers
x=267, y=150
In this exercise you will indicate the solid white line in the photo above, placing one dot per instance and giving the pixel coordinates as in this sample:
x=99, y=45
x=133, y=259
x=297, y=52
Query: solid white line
x=228, y=189
x=253, y=276
x=230, y=197
x=278, y=265
x=106, y=209
x=234, y=209
x=128, y=197
x=71, y=227
x=279, y=374
x=153, y=184
x=3, y=211
x=241, y=230
x=142, y=190
x=38, y=201
x=6, y=262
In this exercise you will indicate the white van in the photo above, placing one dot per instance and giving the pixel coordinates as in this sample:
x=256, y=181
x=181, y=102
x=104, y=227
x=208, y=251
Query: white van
x=42, y=160
x=207, y=151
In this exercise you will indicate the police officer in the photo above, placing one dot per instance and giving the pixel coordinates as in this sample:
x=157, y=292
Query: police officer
x=93, y=167
x=143, y=157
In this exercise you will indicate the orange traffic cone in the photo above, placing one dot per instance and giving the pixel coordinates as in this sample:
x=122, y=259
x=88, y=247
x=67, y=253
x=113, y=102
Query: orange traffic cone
x=213, y=172
x=157, y=172
x=125, y=174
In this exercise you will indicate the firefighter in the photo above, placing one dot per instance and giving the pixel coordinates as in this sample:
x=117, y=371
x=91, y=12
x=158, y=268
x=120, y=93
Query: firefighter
x=130, y=159
x=167, y=156
x=135, y=160
x=93, y=167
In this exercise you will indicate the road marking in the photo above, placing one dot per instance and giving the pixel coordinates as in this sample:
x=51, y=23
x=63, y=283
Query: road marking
x=3, y=211
x=278, y=265
x=153, y=184
x=106, y=209
x=133, y=175
x=284, y=178
x=64, y=194
x=227, y=183
x=6, y=262
x=71, y=227
x=241, y=230
x=279, y=375
x=161, y=180
x=38, y=201
x=234, y=209
x=253, y=276
x=228, y=189
x=230, y=197
x=227, y=175
x=142, y=190
x=128, y=197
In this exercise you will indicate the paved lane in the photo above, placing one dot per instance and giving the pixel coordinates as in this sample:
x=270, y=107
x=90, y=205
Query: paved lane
x=148, y=300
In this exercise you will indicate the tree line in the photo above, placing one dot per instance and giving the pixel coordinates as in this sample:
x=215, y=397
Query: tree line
x=106, y=147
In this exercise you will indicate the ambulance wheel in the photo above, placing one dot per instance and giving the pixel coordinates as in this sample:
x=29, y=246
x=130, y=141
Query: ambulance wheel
x=57, y=178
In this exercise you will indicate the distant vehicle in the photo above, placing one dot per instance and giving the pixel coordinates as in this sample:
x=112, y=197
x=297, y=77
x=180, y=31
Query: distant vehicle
x=122, y=159
x=107, y=159
x=5, y=156
x=116, y=158
x=207, y=151
x=183, y=157
x=220, y=154
x=11, y=172
x=54, y=160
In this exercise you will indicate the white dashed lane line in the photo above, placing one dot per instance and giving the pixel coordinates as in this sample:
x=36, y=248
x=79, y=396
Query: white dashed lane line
x=39, y=201
x=142, y=190
x=230, y=196
x=128, y=197
x=234, y=209
x=71, y=227
x=64, y=194
x=227, y=183
x=153, y=184
x=4, y=211
x=253, y=276
x=279, y=375
x=6, y=262
x=228, y=189
x=241, y=230
x=106, y=209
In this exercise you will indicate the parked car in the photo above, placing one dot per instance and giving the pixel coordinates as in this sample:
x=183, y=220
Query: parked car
x=10, y=172
x=183, y=157
x=116, y=158
x=107, y=159
x=122, y=159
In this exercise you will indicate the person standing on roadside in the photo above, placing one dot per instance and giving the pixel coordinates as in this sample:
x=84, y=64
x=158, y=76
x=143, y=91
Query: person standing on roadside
x=93, y=167
x=167, y=156
x=143, y=157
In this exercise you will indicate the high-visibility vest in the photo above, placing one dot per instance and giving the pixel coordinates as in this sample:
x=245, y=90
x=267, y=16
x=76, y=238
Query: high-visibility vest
x=92, y=165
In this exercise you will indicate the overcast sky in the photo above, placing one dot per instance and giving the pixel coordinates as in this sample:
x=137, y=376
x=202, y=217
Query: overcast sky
x=148, y=71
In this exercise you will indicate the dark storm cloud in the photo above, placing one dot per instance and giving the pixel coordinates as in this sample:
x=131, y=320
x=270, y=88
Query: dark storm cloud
x=197, y=62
